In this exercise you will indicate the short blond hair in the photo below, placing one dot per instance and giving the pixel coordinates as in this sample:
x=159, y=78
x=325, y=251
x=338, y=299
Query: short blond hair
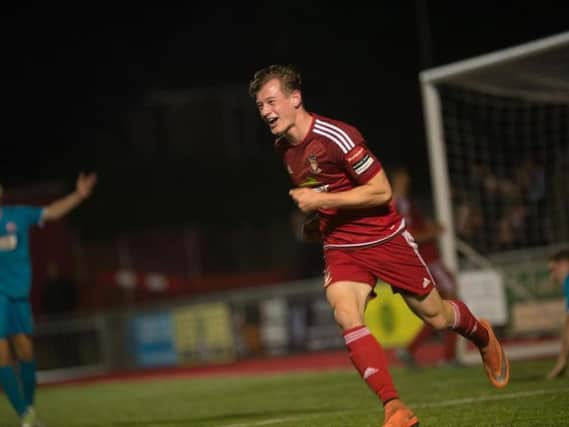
x=288, y=75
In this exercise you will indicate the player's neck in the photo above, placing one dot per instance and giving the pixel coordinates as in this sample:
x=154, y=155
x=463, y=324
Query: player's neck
x=296, y=134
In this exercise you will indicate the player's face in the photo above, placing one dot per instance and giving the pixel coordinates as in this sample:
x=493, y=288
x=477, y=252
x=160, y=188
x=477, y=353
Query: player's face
x=277, y=108
x=559, y=270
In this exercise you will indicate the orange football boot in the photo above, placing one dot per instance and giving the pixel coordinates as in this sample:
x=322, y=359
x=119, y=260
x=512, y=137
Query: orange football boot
x=495, y=361
x=399, y=415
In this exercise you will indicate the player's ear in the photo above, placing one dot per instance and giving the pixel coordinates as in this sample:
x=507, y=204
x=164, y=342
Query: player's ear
x=296, y=98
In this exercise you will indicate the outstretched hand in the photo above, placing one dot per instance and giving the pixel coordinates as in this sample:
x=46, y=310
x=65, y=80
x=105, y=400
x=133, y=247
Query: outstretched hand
x=85, y=184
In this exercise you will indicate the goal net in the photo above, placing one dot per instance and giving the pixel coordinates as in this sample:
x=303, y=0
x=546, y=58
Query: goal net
x=498, y=137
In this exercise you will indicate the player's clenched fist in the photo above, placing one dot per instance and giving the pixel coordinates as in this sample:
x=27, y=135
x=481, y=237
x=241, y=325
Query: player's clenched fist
x=306, y=199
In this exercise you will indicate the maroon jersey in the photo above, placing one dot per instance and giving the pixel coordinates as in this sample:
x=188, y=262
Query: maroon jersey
x=416, y=224
x=334, y=157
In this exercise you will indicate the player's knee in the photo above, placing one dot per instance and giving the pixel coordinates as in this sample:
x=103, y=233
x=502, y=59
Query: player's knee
x=23, y=347
x=438, y=322
x=4, y=353
x=347, y=316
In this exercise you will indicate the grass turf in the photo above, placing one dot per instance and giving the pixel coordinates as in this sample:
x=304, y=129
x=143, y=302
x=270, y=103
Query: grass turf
x=440, y=396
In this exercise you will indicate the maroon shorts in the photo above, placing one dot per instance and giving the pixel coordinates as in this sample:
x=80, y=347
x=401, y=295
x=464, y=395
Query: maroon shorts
x=396, y=262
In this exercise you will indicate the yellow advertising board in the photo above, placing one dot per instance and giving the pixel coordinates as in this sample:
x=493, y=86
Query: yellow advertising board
x=390, y=320
x=202, y=333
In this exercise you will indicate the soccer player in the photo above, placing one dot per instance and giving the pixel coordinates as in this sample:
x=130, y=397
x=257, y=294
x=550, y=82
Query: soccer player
x=559, y=267
x=425, y=234
x=16, y=323
x=364, y=238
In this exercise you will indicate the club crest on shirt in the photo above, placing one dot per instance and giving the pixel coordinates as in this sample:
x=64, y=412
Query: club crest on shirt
x=313, y=162
x=11, y=227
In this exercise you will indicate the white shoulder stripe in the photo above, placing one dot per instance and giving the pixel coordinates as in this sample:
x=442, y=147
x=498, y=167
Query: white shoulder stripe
x=332, y=127
x=332, y=138
x=347, y=143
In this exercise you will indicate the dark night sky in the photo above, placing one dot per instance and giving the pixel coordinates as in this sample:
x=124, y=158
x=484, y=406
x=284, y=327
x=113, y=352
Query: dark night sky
x=73, y=69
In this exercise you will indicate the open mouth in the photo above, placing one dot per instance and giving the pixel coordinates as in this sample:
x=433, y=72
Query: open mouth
x=272, y=122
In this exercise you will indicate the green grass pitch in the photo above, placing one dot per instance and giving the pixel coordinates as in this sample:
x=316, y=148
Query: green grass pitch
x=440, y=396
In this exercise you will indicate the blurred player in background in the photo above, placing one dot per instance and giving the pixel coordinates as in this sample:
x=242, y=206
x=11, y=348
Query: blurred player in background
x=426, y=234
x=16, y=322
x=364, y=238
x=559, y=267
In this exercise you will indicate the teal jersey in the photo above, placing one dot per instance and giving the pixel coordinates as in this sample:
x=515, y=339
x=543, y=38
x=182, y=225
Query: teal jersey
x=15, y=264
x=566, y=291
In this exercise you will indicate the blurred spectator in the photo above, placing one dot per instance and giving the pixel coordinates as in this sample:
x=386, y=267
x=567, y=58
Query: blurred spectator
x=559, y=267
x=426, y=234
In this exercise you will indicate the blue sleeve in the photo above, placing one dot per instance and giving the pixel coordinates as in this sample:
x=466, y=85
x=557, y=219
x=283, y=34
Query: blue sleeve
x=30, y=215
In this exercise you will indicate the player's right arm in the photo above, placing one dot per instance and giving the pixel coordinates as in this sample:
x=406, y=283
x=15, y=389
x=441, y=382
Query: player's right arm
x=375, y=192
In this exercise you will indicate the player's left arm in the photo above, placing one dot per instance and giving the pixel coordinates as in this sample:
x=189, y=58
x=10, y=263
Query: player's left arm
x=376, y=191
x=61, y=207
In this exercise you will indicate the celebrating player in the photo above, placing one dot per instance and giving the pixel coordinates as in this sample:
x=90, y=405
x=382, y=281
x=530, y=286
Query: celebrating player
x=16, y=321
x=364, y=238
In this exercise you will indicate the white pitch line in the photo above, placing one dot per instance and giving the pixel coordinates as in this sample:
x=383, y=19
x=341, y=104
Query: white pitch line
x=450, y=402
x=266, y=422
x=468, y=400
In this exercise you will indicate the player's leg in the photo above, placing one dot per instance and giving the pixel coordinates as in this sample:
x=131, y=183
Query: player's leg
x=404, y=268
x=23, y=347
x=8, y=378
x=448, y=290
x=348, y=300
x=454, y=314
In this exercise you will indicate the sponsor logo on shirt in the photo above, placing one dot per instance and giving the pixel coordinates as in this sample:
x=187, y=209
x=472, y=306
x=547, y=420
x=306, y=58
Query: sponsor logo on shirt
x=8, y=243
x=310, y=182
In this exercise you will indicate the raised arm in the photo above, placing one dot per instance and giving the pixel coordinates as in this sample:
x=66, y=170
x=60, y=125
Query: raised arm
x=375, y=192
x=61, y=207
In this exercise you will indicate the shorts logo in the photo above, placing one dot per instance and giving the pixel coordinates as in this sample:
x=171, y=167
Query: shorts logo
x=313, y=162
x=426, y=282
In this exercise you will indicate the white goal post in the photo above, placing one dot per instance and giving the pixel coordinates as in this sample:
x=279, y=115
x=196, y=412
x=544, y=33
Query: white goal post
x=497, y=129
